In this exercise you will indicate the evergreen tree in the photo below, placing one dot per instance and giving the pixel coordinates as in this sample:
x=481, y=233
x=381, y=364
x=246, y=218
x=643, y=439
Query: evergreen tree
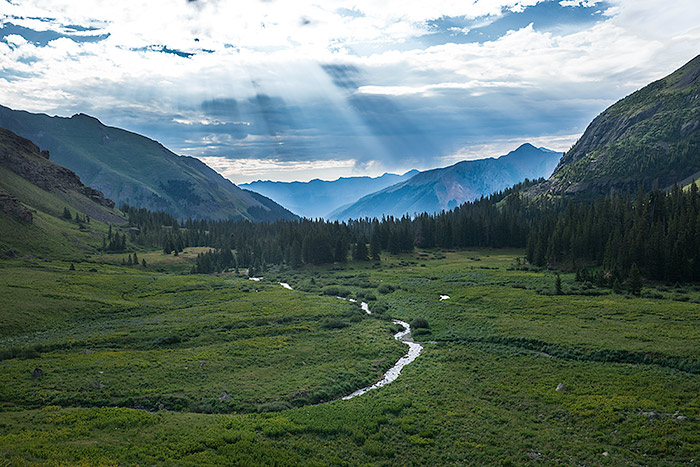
x=359, y=252
x=295, y=255
x=557, y=285
x=341, y=251
x=374, y=245
x=617, y=287
x=143, y=263
x=67, y=214
x=634, y=280
x=136, y=259
x=72, y=267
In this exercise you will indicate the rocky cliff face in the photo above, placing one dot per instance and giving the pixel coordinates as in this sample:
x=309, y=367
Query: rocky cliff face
x=651, y=137
x=26, y=159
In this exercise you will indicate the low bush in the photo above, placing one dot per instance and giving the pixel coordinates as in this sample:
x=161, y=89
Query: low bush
x=420, y=323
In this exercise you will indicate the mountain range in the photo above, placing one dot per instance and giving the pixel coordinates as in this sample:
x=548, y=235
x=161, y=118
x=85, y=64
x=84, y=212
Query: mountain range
x=318, y=198
x=649, y=138
x=445, y=188
x=132, y=169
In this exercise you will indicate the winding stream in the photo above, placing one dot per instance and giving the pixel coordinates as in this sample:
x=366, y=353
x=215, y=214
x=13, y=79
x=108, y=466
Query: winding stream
x=414, y=350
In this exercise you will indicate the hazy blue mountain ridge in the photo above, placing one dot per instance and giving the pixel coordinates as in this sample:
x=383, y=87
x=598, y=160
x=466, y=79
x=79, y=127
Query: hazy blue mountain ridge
x=448, y=187
x=318, y=198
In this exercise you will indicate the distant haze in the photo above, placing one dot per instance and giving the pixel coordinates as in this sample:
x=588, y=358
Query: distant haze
x=319, y=198
x=446, y=188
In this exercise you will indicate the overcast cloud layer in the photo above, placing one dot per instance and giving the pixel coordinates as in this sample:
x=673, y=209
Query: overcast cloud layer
x=289, y=90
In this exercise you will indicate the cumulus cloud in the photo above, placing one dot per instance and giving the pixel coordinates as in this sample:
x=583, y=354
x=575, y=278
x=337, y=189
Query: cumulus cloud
x=388, y=85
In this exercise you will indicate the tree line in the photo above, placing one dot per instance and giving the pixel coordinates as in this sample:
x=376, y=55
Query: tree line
x=656, y=232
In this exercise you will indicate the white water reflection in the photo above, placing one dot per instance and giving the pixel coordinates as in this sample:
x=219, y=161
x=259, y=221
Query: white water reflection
x=414, y=349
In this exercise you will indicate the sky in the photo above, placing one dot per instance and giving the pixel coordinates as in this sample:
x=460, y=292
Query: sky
x=295, y=90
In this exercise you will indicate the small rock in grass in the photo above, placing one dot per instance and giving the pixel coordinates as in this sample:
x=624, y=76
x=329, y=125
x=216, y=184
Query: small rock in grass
x=561, y=387
x=224, y=397
x=606, y=453
x=650, y=415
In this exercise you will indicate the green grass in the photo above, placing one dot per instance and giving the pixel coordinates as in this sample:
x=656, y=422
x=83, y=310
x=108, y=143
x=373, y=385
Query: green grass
x=49, y=235
x=483, y=392
x=139, y=339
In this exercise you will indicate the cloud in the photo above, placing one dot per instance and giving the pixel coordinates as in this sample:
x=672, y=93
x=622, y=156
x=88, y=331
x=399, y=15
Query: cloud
x=249, y=170
x=388, y=85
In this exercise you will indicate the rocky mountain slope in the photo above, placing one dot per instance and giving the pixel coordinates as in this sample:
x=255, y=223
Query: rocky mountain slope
x=651, y=137
x=132, y=169
x=318, y=198
x=45, y=210
x=23, y=158
x=445, y=188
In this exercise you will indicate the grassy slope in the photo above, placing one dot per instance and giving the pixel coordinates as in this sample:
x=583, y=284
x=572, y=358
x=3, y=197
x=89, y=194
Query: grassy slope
x=130, y=168
x=466, y=400
x=50, y=235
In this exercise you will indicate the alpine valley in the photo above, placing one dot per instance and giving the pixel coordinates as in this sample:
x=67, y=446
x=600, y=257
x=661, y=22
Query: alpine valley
x=530, y=309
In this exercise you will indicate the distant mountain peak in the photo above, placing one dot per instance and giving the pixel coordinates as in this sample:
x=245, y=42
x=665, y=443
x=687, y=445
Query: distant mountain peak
x=445, y=188
x=318, y=198
x=525, y=146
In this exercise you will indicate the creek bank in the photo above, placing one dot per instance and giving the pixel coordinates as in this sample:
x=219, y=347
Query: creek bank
x=414, y=350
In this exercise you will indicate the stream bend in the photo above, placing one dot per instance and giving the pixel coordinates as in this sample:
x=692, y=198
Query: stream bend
x=414, y=350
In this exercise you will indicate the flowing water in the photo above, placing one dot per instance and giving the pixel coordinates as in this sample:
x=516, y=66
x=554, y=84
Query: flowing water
x=414, y=350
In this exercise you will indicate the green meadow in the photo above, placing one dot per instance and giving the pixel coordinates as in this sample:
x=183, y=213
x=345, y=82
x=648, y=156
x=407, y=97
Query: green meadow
x=153, y=366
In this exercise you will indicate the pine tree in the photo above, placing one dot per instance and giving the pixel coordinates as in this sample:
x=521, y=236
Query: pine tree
x=341, y=251
x=295, y=255
x=375, y=246
x=557, y=285
x=136, y=259
x=143, y=263
x=67, y=214
x=634, y=280
x=72, y=267
x=359, y=253
x=617, y=287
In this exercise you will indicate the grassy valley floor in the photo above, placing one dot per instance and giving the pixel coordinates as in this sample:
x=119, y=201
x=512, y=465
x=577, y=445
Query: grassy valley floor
x=235, y=372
